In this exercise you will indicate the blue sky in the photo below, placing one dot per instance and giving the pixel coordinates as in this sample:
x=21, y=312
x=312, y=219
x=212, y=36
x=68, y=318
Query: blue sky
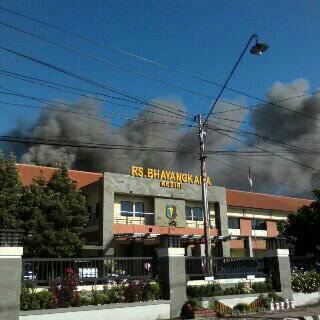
x=200, y=37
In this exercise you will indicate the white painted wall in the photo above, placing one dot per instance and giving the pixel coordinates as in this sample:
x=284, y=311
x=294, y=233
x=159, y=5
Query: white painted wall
x=224, y=281
x=136, y=312
x=301, y=299
x=230, y=301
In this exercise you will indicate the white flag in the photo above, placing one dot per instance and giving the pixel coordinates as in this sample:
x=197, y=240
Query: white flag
x=250, y=177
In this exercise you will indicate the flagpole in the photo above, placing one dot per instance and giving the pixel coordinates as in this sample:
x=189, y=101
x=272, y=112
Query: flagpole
x=251, y=195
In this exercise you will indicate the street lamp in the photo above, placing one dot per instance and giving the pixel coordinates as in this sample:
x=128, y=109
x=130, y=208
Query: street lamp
x=256, y=49
x=259, y=48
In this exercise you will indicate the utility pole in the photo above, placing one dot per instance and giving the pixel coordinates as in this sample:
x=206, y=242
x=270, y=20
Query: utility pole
x=256, y=49
x=205, y=205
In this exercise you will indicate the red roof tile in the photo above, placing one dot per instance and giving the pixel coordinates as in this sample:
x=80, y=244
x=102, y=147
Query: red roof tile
x=29, y=172
x=242, y=199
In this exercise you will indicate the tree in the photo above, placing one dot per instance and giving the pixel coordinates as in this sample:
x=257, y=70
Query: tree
x=54, y=215
x=11, y=191
x=302, y=229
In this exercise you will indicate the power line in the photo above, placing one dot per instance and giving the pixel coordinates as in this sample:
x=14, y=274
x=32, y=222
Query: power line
x=26, y=78
x=113, y=89
x=108, y=61
x=127, y=53
x=77, y=144
x=87, y=115
x=265, y=138
x=49, y=84
x=174, y=153
x=266, y=103
x=121, y=51
x=156, y=105
x=301, y=164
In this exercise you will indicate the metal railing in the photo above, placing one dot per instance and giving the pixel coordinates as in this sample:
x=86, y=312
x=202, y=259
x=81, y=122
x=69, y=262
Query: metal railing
x=10, y=238
x=146, y=219
x=305, y=263
x=100, y=270
x=224, y=267
x=276, y=243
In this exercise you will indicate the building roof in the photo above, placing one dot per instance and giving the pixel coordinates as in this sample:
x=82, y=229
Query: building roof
x=235, y=198
x=242, y=199
x=29, y=172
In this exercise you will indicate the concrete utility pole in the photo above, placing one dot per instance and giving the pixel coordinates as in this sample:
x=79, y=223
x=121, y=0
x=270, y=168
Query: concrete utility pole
x=256, y=49
x=205, y=205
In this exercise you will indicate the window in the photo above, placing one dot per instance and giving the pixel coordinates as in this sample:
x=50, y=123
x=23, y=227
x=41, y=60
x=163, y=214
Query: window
x=139, y=209
x=127, y=208
x=259, y=224
x=188, y=213
x=233, y=223
x=97, y=210
x=194, y=213
x=132, y=209
x=197, y=214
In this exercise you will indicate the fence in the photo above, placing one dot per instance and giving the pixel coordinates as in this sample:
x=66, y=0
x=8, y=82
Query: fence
x=225, y=267
x=305, y=263
x=101, y=270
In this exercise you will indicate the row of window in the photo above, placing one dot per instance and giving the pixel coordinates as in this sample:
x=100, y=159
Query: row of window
x=136, y=209
x=256, y=224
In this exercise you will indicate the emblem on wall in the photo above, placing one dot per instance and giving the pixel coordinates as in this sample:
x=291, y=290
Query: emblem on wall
x=171, y=214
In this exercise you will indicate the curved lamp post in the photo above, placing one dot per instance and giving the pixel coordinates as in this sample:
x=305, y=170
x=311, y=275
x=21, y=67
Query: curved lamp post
x=257, y=49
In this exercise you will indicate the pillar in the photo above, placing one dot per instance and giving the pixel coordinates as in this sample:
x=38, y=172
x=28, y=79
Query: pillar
x=10, y=282
x=172, y=274
x=248, y=246
x=279, y=264
x=107, y=217
x=222, y=225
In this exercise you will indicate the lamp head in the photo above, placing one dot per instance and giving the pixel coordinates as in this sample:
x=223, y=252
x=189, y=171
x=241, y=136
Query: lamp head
x=259, y=48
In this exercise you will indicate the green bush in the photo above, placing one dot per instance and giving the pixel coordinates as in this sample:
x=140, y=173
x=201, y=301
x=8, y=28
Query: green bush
x=194, y=303
x=46, y=299
x=262, y=287
x=66, y=295
x=84, y=298
x=30, y=299
x=275, y=297
x=204, y=291
x=153, y=291
x=272, y=296
x=115, y=294
x=99, y=297
x=242, y=307
x=306, y=281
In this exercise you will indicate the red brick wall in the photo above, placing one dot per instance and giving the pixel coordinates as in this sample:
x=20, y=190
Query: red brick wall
x=272, y=228
x=245, y=227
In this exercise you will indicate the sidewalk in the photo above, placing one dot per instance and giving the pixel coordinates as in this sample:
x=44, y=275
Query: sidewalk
x=300, y=312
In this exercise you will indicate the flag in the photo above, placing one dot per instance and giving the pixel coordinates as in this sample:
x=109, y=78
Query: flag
x=250, y=177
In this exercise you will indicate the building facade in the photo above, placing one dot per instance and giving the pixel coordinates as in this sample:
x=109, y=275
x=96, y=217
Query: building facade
x=130, y=213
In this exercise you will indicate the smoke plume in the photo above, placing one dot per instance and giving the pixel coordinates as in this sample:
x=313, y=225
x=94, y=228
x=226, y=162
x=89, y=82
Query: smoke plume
x=286, y=123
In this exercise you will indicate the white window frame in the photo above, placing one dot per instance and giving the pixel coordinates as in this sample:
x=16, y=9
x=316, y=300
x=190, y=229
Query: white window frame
x=192, y=215
x=133, y=213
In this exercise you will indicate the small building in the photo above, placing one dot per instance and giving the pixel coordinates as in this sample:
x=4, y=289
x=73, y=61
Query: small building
x=130, y=213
